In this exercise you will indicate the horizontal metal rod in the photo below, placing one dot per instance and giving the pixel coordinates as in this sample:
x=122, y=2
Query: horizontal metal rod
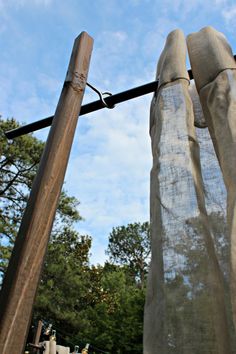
x=90, y=107
x=87, y=108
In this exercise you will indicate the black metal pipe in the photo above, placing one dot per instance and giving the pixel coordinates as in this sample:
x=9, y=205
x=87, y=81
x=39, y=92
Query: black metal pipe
x=87, y=108
x=90, y=107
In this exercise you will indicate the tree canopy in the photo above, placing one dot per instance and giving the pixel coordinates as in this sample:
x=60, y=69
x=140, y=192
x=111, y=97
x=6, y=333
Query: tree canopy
x=130, y=245
x=18, y=165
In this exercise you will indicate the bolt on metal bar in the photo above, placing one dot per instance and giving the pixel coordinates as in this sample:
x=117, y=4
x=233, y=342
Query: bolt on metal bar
x=91, y=107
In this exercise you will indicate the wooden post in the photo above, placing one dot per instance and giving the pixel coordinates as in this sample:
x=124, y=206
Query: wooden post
x=23, y=274
x=37, y=335
x=35, y=347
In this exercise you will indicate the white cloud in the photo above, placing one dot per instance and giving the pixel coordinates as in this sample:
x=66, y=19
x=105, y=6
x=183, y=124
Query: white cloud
x=22, y=100
x=221, y=2
x=110, y=166
x=229, y=14
x=49, y=83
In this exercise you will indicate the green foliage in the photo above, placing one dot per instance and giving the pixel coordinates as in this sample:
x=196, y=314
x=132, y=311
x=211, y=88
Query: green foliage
x=116, y=322
x=63, y=288
x=95, y=304
x=130, y=245
x=18, y=165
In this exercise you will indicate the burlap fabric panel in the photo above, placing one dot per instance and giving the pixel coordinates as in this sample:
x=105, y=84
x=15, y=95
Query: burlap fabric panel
x=185, y=306
x=214, y=70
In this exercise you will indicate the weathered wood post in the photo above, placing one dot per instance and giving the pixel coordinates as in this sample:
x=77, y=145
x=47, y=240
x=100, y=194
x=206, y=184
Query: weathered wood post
x=35, y=347
x=23, y=274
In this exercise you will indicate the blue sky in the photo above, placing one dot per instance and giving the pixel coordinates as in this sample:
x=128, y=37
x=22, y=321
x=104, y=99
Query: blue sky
x=110, y=160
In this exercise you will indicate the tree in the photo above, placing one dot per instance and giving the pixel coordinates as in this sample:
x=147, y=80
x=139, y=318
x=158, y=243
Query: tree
x=115, y=323
x=64, y=286
x=100, y=305
x=130, y=245
x=18, y=165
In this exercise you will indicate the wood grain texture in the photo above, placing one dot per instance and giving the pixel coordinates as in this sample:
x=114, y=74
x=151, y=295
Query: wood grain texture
x=23, y=274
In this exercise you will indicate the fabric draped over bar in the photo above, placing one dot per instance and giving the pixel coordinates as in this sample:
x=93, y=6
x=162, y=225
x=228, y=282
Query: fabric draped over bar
x=188, y=307
x=216, y=85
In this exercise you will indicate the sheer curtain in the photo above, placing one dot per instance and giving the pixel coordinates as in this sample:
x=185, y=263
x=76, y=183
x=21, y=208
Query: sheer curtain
x=188, y=304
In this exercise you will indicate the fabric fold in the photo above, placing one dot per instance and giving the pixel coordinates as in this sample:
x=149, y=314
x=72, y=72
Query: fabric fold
x=209, y=54
x=216, y=83
x=167, y=108
x=170, y=71
x=199, y=119
x=170, y=64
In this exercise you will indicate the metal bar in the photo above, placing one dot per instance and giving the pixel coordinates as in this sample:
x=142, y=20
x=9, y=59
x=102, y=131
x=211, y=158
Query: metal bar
x=90, y=107
x=87, y=108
